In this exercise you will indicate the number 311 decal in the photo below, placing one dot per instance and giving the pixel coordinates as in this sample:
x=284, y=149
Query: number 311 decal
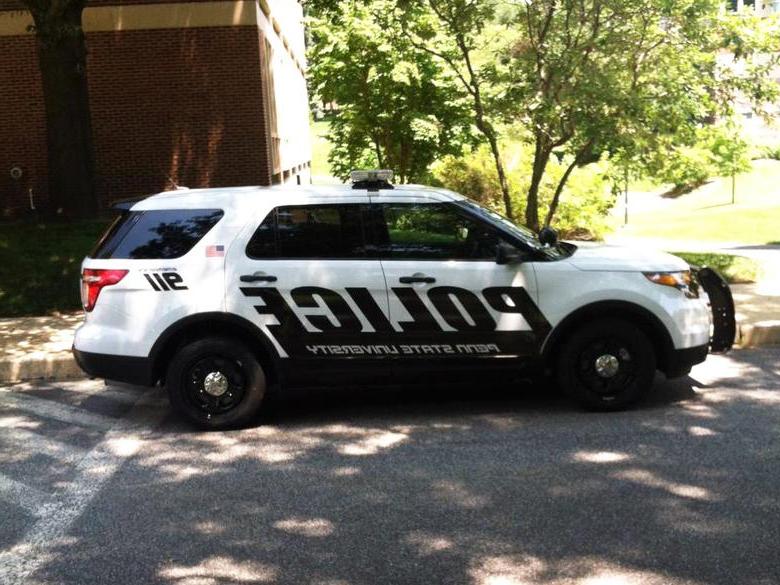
x=163, y=281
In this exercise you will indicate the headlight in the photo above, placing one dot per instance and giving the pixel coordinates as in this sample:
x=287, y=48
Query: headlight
x=682, y=281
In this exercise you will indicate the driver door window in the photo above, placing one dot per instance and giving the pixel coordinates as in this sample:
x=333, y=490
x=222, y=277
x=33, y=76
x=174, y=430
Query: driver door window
x=433, y=231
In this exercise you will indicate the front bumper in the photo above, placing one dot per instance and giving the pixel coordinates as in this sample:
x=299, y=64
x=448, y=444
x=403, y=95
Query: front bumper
x=724, y=325
x=119, y=368
x=680, y=361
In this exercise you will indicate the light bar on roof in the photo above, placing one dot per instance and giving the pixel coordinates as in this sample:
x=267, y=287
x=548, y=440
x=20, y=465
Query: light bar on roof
x=371, y=175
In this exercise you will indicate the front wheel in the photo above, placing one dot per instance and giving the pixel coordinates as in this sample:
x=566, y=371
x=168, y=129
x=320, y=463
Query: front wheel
x=606, y=365
x=216, y=383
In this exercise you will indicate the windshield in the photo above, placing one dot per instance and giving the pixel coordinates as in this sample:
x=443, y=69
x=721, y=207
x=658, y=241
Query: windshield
x=522, y=233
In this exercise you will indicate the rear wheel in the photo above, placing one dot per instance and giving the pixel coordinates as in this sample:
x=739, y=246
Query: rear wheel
x=606, y=365
x=216, y=383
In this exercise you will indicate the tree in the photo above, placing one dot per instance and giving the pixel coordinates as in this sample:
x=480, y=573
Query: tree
x=580, y=75
x=459, y=34
x=62, y=60
x=587, y=77
x=395, y=107
x=596, y=75
x=593, y=76
x=584, y=78
x=729, y=152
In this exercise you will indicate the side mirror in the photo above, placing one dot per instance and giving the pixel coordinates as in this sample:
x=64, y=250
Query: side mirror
x=506, y=254
x=548, y=236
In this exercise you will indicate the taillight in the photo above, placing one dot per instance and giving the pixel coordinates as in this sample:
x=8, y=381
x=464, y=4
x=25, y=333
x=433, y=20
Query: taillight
x=92, y=282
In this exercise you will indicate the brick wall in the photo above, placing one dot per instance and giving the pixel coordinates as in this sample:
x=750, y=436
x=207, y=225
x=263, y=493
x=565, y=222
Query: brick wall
x=184, y=103
x=22, y=123
x=17, y=5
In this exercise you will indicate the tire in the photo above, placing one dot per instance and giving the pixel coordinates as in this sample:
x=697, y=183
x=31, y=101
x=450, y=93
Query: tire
x=606, y=365
x=232, y=374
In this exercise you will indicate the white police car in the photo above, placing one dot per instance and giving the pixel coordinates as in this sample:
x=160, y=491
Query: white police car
x=218, y=294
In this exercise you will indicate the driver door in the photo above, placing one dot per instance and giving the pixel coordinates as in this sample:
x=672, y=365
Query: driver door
x=447, y=295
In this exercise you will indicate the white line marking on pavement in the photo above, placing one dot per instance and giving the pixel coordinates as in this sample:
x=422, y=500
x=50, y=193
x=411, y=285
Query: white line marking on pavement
x=124, y=394
x=20, y=494
x=84, y=386
x=22, y=441
x=93, y=472
x=57, y=411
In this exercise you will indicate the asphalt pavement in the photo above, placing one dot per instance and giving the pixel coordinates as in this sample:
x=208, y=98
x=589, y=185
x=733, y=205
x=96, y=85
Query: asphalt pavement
x=503, y=484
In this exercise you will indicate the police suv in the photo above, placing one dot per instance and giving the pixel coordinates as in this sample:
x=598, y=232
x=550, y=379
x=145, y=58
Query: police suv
x=219, y=294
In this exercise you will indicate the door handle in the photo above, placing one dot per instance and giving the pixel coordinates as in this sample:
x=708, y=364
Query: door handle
x=413, y=279
x=257, y=278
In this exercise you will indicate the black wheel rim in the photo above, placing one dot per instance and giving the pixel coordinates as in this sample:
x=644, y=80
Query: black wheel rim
x=607, y=367
x=232, y=385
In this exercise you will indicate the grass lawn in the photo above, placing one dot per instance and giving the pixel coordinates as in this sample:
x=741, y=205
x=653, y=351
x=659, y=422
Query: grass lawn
x=707, y=213
x=320, y=146
x=735, y=269
x=40, y=264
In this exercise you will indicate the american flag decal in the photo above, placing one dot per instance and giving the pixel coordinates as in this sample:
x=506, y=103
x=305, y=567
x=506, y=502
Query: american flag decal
x=215, y=251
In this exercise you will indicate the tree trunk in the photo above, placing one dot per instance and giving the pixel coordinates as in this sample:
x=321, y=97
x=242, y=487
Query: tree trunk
x=489, y=133
x=557, y=194
x=502, y=181
x=62, y=59
x=380, y=161
x=541, y=157
x=584, y=155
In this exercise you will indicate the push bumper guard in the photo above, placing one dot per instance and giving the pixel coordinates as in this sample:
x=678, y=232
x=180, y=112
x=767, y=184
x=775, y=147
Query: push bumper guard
x=724, y=326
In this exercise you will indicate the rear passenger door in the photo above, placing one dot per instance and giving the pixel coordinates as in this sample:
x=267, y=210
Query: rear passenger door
x=447, y=294
x=306, y=279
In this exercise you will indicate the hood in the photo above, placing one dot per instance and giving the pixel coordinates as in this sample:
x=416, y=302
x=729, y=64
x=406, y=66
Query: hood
x=620, y=259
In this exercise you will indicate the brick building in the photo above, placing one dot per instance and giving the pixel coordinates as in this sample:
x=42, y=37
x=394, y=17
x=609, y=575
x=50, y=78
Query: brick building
x=198, y=93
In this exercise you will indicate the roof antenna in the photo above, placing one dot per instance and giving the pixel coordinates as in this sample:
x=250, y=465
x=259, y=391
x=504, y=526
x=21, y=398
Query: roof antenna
x=176, y=186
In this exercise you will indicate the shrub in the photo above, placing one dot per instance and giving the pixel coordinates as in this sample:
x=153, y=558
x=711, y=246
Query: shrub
x=40, y=264
x=584, y=205
x=685, y=167
x=772, y=152
x=735, y=269
x=717, y=149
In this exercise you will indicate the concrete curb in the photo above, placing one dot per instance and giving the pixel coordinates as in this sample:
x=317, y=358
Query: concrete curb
x=55, y=367
x=758, y=334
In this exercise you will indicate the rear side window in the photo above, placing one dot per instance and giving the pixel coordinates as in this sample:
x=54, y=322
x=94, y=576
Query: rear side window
x=310, y=231
x=157, y=234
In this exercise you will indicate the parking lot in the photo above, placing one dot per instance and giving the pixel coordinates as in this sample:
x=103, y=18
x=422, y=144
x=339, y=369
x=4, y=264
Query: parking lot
x=497, y=485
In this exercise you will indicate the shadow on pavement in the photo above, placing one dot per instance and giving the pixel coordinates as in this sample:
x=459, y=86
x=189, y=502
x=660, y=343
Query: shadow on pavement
x=473, y=485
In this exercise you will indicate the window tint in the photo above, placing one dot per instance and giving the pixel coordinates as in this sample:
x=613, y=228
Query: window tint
x=310, y=231
x=435, y=231
x=158, y=234
x=263, y=242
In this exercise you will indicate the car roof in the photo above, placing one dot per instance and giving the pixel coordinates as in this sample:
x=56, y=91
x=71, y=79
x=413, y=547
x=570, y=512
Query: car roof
x=250, y=197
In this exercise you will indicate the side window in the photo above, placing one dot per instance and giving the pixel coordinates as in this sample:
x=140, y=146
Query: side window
x=263, y=242
x=156, y=234
x=310, y=231
x=435, y=231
